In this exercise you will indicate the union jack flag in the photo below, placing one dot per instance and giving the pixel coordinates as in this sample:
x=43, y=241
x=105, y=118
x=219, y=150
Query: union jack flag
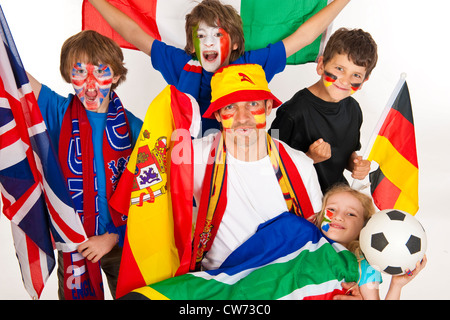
x=34, y=195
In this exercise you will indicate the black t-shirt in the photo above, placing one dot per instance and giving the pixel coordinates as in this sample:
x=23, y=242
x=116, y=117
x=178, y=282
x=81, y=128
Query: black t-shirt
x=306, y=118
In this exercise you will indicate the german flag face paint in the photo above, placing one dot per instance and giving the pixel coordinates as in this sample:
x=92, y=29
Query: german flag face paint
x=330, y=78
x=354, y=87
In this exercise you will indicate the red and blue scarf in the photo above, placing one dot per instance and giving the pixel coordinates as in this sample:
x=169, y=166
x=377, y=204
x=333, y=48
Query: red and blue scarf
x=76, y=155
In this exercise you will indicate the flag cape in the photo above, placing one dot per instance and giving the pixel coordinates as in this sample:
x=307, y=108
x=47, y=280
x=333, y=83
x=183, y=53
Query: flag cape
x=287, y=258
x=159, y=206
x=213, y=201
x=264, y=22
x=395, y=184
x=34, y=194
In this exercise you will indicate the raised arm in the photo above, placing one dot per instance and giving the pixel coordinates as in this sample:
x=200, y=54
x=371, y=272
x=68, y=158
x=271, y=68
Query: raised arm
x=124, y=25
x=313, y=27
x=398, y=282
x=35, y=85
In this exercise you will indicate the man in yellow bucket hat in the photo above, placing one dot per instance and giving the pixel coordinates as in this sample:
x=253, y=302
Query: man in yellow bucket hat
x=241, y=101
x=242, y=176
x=248, y=187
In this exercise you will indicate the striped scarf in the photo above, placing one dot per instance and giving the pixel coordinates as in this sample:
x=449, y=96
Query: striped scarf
x=76, y=155
x=213, y=201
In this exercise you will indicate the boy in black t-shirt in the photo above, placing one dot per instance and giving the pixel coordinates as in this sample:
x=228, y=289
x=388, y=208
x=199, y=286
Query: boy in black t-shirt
x=323, y=120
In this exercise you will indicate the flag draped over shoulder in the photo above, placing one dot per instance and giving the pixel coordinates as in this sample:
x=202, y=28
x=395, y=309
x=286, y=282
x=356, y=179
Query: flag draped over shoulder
x=287, y=258
x=264, y=21
x=159, y=205
x=34, y=194
x=395, y=184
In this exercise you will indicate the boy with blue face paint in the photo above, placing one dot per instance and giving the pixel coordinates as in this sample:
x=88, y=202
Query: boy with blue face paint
x=214, y=35
x=92, y=84
x=93, y=135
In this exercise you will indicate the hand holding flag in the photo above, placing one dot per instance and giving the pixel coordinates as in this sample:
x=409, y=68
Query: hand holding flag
x=360, y=168
x=395, y=184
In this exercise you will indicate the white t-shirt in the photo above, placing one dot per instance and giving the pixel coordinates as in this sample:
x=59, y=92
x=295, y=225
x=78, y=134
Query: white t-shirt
x=254, y=196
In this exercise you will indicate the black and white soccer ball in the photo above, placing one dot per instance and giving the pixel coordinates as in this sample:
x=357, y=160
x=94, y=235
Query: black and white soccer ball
x=393, y=241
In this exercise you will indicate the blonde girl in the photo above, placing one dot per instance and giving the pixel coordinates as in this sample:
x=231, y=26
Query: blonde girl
x=344, y=213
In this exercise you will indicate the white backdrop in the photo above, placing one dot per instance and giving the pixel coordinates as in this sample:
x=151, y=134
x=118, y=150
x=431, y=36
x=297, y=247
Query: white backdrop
x=411, y=38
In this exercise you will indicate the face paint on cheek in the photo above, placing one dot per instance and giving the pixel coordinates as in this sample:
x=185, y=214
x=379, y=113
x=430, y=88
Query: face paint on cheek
x=325, y=226
x=329, y=78
x=196, y=42
x=79, y=74
x=260, y=118
x=78, y=79
x=355, y=87
x=224, y=45
x=103, y=79
x=227, y=121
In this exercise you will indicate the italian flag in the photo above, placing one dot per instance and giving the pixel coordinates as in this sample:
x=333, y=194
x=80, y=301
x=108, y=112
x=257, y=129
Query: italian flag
x=265, y=21
x=287, y=258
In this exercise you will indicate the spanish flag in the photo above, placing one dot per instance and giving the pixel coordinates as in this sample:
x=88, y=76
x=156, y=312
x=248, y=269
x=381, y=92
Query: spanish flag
x=158, y=204
x=395, y=184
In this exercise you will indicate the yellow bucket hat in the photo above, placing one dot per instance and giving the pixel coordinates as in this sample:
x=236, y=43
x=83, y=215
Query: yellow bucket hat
x=236, y=83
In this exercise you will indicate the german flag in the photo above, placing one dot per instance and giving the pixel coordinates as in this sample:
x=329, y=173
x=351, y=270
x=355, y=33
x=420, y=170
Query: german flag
x=395, y=184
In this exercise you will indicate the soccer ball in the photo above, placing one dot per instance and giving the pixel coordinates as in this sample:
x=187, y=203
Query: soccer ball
x=393, y=241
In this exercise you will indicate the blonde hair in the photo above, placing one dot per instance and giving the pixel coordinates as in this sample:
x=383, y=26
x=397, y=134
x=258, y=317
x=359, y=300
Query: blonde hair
x=366, y=202
x=95, y=48
x=213, y=12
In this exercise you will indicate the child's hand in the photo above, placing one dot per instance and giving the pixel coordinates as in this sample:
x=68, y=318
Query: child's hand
x=97, y=246
x=361, y=168
x=404, y=279
x=319, y=151
x=352, y=292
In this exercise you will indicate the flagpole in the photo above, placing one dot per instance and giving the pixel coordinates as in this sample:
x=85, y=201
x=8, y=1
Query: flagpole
x=357, y=184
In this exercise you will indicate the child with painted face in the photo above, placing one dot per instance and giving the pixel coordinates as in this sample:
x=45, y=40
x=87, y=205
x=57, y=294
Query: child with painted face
x=323, y=120
x=344, y=213
x=92, y=85
x=214, y=38
x=93, y=135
